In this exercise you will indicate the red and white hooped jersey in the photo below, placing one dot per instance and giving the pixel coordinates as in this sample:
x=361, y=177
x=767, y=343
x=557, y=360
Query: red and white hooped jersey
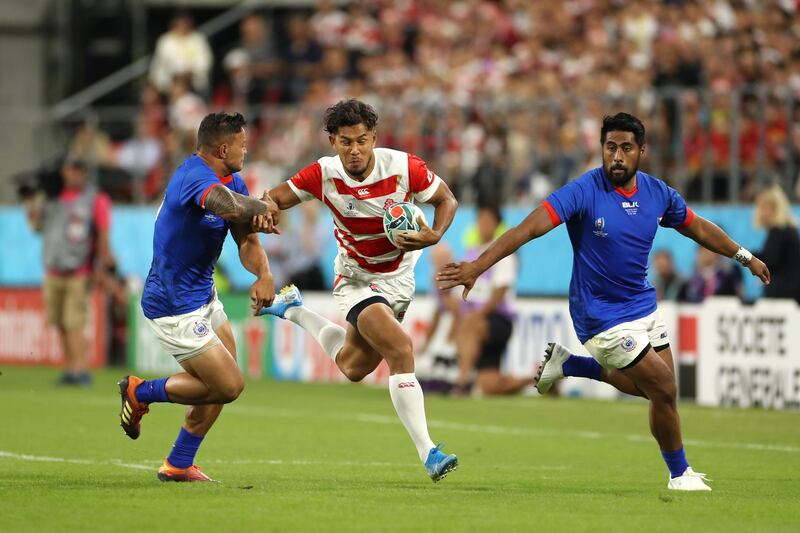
x=357, y=207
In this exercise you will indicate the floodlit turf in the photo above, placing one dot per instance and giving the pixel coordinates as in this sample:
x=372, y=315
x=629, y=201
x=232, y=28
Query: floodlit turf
x=298, y=457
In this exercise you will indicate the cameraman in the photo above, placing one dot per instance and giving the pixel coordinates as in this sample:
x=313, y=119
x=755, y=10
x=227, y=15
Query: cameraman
x=74, y=227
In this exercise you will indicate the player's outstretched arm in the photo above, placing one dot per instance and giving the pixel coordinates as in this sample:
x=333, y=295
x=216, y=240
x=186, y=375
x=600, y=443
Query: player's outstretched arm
x=445, y=205
x=282, y=197
x=235, y=207
x=535, y=225
x=710, y=236
x=254, y=259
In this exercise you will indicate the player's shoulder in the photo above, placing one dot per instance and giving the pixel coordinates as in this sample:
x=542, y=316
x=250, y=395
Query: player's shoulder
x=193, y=167
x=654, y=184
x=591, y=180
x=398, y=162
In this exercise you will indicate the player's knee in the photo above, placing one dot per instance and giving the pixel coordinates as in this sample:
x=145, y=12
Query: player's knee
x=400, y=351
x=230, y=391
x=354, y=374
x=666, y=392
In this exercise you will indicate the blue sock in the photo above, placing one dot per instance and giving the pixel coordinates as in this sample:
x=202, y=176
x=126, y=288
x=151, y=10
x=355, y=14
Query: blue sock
x=676, y=462
x=152, y=390
x=184, y=449
x=582, y=367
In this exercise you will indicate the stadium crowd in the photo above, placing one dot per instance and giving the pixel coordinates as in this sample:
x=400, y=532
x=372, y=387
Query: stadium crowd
x=503, y=97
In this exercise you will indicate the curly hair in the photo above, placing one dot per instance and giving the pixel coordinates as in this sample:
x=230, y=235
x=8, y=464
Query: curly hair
x=349, y=113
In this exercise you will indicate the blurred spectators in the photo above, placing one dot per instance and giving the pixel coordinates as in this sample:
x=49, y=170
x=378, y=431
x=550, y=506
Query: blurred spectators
x=504, y=97
x=668, y=283
x=181, y=51
x=781, y=250
x=254, y=66
x=714, y=275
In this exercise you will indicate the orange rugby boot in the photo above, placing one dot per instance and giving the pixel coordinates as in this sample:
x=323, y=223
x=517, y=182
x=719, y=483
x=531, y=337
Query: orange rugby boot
x=132, y=410
x=167, y=472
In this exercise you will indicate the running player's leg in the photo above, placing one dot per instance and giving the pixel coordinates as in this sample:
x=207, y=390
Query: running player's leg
x=656, y=380
x=197, y=423
x=357, y=359
x=560, y=362
x=629, y=350
x=379, y=327
x=200, y=418
x=623, y=383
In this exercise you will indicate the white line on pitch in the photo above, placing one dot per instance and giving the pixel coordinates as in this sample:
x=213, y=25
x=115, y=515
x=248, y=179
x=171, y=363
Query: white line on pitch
x=593, y=435
x=47, y=459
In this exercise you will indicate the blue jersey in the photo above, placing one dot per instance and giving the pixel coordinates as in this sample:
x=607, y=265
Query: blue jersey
x=612, y=233
x=187, y=241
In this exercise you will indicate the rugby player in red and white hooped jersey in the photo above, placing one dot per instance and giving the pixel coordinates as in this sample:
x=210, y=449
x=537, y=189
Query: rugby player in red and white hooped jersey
x=374, y=282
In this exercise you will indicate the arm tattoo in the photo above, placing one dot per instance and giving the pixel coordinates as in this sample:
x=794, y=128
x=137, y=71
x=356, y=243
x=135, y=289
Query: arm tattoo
x=233, y=206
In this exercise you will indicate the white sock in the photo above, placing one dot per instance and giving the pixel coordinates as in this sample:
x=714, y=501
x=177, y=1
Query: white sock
x=409, y=403
x=328, y=335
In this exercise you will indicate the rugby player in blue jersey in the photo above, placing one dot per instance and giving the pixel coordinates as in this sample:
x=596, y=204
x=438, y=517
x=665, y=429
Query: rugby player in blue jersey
x=204, y=199
x=612, y=214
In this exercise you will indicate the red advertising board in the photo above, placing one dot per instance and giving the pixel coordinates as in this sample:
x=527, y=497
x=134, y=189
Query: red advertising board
x=25, y=337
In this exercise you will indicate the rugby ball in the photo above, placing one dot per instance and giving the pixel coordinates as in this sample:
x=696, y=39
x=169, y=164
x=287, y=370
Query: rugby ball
x=400, y=217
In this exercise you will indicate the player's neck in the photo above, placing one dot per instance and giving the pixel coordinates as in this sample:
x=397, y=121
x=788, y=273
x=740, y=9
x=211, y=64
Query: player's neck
x=217, y=165
x=629, y=186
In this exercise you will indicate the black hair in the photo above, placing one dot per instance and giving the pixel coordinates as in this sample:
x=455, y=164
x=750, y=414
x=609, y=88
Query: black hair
x=622, y=122
x=494, y=210
x=349, y=113
x=217, y=127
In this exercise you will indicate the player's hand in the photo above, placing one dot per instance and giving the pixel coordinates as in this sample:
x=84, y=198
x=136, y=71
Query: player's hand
x=268, y=222
x=759, y=270
x=416, y=240
x=262, y=293
x=455, y=274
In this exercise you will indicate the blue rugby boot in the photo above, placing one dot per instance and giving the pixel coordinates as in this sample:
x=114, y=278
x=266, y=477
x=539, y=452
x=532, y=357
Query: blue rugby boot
x=439, y=464
x=288, y=297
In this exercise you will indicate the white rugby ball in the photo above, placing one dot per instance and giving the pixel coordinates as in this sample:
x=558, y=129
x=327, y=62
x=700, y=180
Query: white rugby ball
x=401, y=217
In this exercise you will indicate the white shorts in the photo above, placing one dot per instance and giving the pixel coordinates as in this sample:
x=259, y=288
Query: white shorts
x=185, y=336
x=397, y=290
x=619, y=346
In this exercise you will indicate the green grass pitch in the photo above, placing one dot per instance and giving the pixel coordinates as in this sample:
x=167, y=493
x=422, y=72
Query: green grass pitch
x=307, y=457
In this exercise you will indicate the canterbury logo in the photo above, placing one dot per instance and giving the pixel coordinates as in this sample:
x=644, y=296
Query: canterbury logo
x=362, y=192
x=406, y=384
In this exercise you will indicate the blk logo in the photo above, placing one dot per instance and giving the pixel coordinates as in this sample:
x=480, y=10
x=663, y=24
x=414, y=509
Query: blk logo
x=630, y=207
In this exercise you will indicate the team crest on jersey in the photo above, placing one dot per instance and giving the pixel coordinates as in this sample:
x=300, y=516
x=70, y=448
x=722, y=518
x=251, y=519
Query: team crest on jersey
x=200, y=329
x=628, y=343
x=599, y=227
x=350, y=208
x=630, y=207
x=388, y=203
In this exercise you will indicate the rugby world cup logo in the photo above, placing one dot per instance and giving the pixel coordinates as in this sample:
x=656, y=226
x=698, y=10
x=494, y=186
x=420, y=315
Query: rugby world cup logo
x=599, y=227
